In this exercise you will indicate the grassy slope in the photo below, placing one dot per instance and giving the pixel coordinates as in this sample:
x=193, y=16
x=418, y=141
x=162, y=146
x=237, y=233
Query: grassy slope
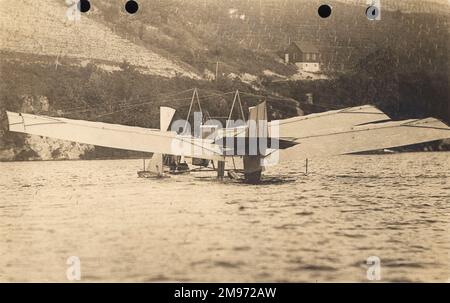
x=42, y=27
x=201, y=32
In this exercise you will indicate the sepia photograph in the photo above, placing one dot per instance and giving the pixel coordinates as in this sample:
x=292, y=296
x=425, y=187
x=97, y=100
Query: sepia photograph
x=224, y=141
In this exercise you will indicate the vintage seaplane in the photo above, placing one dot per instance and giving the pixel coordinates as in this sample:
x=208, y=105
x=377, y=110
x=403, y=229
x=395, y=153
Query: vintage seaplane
x=256, y=141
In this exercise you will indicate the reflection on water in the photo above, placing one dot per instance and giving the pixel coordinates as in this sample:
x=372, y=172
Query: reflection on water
x=294, y=227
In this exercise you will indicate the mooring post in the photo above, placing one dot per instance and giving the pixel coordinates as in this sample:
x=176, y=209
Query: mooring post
x=306, y=166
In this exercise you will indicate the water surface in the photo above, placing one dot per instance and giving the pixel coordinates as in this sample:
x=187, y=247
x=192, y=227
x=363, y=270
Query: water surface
x=294, y=227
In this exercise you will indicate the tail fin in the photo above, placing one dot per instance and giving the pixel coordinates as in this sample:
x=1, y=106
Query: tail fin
x=257, y=120
x=257, y=132
x=166, y=116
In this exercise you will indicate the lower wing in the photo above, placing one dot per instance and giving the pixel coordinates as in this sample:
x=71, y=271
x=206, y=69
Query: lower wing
x=114, y=136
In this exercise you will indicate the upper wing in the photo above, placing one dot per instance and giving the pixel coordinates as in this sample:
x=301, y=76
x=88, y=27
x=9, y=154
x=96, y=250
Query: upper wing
x=114, y=136
x=330, y=122
x=291, y=128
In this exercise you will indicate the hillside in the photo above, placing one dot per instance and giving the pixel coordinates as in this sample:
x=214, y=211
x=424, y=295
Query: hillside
x=245, y=35
x=232, y=38
x=42, y=28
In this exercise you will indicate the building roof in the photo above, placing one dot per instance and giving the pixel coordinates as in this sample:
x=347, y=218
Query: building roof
x=307, y=47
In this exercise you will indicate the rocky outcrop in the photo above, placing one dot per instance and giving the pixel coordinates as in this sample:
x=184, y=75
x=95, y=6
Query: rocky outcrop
x=43, y=148
x=53, y=149
x=34, y=104
x=31, y=147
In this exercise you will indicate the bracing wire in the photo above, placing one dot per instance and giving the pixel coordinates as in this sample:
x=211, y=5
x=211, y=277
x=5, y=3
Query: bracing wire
x=167, y=99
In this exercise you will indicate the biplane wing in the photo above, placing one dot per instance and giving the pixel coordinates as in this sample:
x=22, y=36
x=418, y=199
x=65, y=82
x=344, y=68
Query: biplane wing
x=329, y=122
x=291, y=128
x=351, y=130
x=114, y=136
x=362, y=138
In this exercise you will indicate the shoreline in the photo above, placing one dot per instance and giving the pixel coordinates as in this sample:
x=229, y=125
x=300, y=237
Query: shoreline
x=374, y=153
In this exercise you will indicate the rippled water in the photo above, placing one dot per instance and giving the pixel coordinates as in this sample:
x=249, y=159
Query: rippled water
x=294, y=227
